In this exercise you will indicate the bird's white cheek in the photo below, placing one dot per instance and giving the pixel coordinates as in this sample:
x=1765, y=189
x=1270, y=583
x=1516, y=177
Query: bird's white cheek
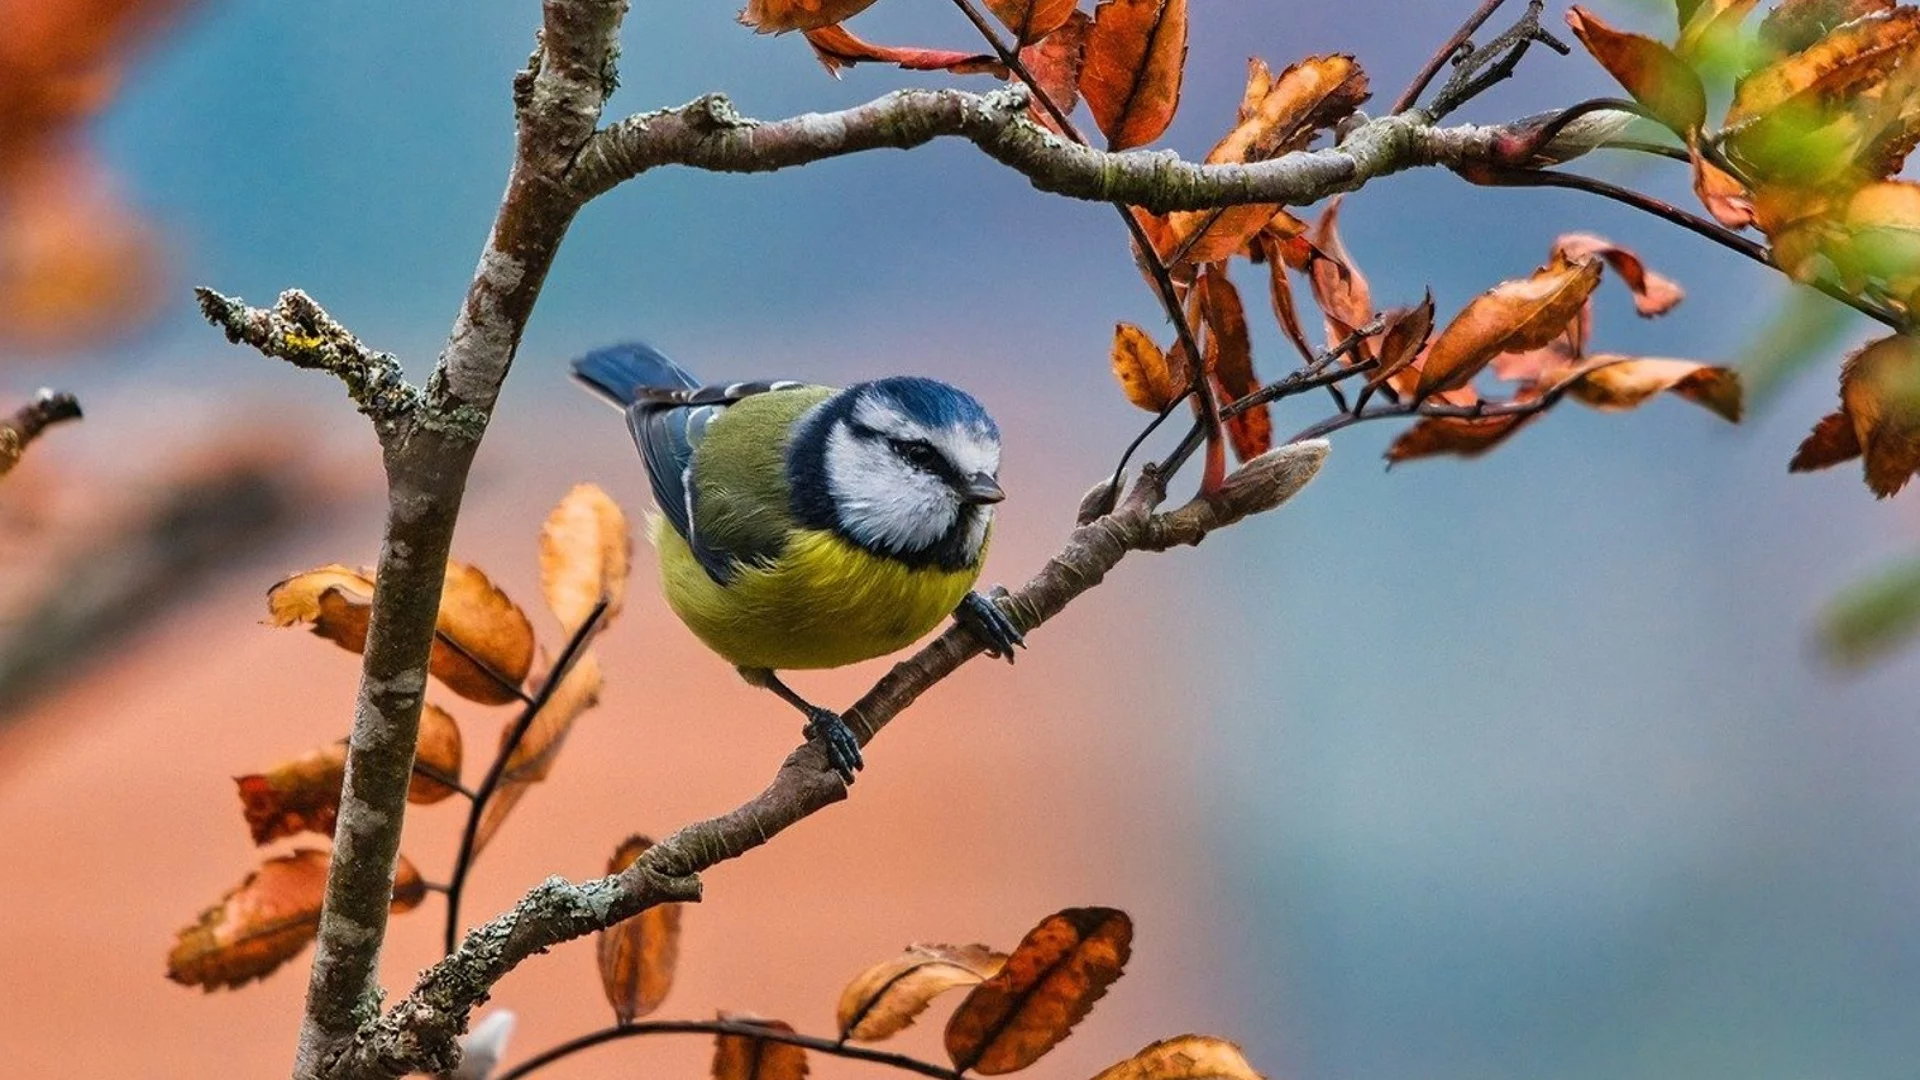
x=881, y=500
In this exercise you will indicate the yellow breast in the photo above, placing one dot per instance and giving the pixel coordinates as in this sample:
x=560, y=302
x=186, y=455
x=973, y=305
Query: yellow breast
x=823, y=603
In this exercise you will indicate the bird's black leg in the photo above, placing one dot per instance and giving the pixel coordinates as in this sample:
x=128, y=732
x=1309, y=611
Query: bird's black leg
x=990, y=624
x=836, y=738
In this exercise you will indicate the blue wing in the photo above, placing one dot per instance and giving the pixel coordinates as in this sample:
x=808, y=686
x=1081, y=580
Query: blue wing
x=668, y=413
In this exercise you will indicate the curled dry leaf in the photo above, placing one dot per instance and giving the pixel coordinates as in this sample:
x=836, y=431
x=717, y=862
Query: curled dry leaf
x=1145, y=374
x=1653, y=294
x=483, y=644
x=533, y=759
x=1186, y=1057
x=1136, y=51
x=887, y=997
x=266, y=920
x=302, y=795
x=1403, y=335
x=1852, y=55
x=1031, y=20
x=836, y=47
x=586, y=552
x=1055, y=62
x=1793, y=25
x=1880, y=394
x=436, y=757
x=1463, y=436
x=744, y=1057
x=1230, y=361
x=779, y=16
x=1722, y=193
x=1049, y=984
x=1280, y=294
x=1278, y=115
x=1651, y=72
x=1831, y=442
x=1345, y=299
x=1525, y=313
x=637, y=955
x=1616, y=383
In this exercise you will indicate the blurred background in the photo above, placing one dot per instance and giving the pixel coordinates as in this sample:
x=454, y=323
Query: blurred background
x=1518, y=767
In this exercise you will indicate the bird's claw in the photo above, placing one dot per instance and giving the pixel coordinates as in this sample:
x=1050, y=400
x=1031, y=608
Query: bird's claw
x=991, y=624
x=836, y=738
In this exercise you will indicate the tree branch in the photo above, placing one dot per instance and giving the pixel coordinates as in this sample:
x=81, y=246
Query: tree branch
x=420, y=1033
x=744, y=1028
x=298, y=330
x=47, y=408
x=708, y=133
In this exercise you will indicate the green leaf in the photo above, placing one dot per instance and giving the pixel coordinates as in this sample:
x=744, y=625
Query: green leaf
x=1873, y=617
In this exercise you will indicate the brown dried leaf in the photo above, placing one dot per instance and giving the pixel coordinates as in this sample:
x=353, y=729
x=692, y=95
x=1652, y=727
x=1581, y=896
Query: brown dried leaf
x=437, y=754
x=1031, y=20
x=887, y=997
x=1650, y=71
x=1793, y=25
x=1309, y=96
x=1143, y=370
x=1259, y=81
x=1211, y=236
x=1653, y=294
x=302, y=795
x=1231, y=363
x=586, y=553
x=1514, y=315
x=836, y=47
x=266, y=920
x=335, y=600
x=1616, y=383
x=1345, y=299
x=1722, y=193
x=779, y=16
x=1880, y=393
x=1186, y=1057
x=533, y=759
x=1061, y=968
x=1462, y=436
x=1280, y=294
x=1853, y=55
x=744, y=1057
x=1131, y=79
x=1831, y=442
x=637, y=955
x=1055, y=62
x=1404, y=334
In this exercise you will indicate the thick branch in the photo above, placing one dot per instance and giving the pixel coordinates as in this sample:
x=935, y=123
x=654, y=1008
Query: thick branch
x=708, y=133
x=47, y=408
x=298, y=330
x=419, y=1034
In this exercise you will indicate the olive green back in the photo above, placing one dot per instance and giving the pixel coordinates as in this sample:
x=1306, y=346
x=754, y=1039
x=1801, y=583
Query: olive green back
x=742, y=500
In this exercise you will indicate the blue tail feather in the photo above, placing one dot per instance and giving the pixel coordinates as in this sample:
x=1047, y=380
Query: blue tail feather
x=619, y=372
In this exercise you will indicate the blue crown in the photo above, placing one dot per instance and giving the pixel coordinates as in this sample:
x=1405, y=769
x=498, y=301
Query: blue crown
x=932, y=402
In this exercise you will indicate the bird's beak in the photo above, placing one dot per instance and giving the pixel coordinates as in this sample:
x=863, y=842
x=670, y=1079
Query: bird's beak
x=981, y=488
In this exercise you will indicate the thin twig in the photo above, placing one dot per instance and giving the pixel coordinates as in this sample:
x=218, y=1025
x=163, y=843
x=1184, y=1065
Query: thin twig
x=1694, y=223
x=47, y=408
x=1499, y=58
x=1453, y=48
x=476, y=810
x=725, y=1027
x=1432, y=409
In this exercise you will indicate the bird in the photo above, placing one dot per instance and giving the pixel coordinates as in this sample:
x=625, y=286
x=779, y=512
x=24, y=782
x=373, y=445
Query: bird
x=806, y=527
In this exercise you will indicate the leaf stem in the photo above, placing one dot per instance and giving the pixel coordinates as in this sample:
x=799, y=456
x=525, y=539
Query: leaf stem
x=463, y=863
x=725, y=1027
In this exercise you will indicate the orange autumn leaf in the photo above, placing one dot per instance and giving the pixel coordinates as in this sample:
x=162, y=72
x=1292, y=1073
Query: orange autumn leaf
x=1145, y=373
x=836, y=47
x=1131, y=79
x=1658, y=79
x=637, y=955
x=1403, y=335
x=436, y=757
x=266, y=920
x=1852, y=55
x=1031, y=20
x=483, y=644
x=1280, y=294
x=1278, y=115
x=586, y=552
x=1211, y=236
x=1515, y=315
x=887, y=997
x=1230, y=362
x=779, y=16
x=1722, y=193
x=1049, y=984
x=302, y=795
x=1345, y=299
x=532, y=760
x=745, y=1057
x=1831, y=442
x=1793, y=25
x=1614, y=383
x=1653, y=294
x=1055, y=62
x=1880, y=394
x=1187, y=1057
x=1461, y=436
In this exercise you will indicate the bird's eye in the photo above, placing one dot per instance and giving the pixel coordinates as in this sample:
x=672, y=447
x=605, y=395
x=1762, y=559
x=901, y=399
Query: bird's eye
x=918, y=454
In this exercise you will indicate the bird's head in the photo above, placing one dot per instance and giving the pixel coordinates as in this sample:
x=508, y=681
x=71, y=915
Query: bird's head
x=905, y=467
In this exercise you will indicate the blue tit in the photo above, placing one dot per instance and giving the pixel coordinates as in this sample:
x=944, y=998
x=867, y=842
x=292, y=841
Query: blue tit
x=808, y=527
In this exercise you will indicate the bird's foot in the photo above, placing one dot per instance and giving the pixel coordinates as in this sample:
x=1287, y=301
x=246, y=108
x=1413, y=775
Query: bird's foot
x=836, y=738
x=990, y=624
